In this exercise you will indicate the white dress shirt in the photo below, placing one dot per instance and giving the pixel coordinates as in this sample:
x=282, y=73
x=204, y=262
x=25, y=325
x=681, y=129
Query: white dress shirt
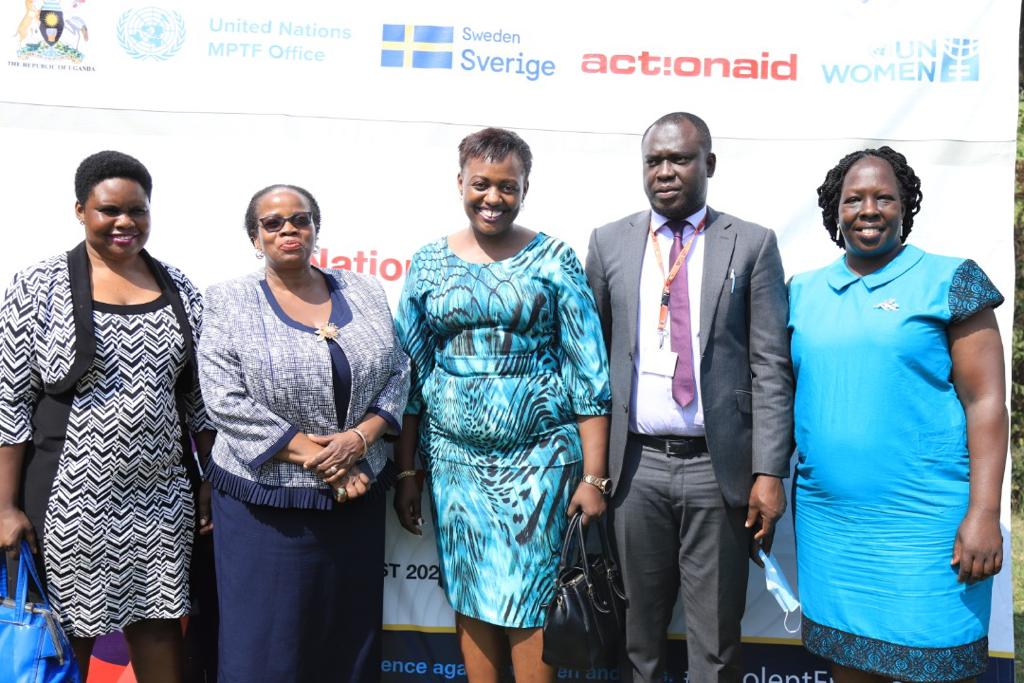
x=653, y=410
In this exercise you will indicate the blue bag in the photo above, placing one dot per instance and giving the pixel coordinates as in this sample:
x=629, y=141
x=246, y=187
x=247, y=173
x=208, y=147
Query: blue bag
x=34, y=647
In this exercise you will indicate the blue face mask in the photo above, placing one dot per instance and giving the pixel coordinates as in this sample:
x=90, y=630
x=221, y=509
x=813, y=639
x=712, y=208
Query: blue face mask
x=775, y=582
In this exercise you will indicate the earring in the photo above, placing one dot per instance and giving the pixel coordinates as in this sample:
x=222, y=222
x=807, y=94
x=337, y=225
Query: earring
x=259, y=254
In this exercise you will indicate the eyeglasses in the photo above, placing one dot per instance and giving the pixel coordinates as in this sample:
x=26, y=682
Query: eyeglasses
x=300, y=219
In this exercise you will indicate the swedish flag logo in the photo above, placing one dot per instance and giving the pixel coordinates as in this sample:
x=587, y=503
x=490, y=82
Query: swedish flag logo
x=421, y=47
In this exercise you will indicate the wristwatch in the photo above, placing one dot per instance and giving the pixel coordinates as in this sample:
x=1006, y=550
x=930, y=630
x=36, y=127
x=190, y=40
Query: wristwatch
x=602, y=485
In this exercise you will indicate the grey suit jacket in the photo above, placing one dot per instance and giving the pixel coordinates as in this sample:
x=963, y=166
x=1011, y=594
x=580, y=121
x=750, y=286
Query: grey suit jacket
x=746, y=376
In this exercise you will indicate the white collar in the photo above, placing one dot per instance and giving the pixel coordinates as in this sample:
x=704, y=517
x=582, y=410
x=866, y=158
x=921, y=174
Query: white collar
x=658, y=221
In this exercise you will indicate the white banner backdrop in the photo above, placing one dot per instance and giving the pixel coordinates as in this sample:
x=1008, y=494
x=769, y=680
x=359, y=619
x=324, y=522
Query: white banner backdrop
x=364, y=105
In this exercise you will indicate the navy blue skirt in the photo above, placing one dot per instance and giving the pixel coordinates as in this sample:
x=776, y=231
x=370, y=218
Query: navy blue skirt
x=300, y=591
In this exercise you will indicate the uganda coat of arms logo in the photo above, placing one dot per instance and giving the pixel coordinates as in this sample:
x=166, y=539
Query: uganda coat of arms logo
x=46, y=32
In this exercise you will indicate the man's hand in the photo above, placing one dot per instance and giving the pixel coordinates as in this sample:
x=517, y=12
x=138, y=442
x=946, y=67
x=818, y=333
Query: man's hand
x=767, y=503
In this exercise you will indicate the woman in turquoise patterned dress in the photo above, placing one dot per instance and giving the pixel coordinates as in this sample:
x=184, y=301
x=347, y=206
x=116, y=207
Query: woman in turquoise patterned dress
x=901, y=433
x=507, y=410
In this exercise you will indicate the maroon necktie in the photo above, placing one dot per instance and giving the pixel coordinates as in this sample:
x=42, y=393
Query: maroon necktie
x=683, y=384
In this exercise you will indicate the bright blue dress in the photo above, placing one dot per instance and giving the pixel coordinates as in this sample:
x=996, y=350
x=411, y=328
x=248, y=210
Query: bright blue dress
x=506, y=355
x=882, y=470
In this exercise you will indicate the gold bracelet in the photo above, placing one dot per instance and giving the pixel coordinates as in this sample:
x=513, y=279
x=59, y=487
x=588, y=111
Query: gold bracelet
x=405, y=474
x=366, y=444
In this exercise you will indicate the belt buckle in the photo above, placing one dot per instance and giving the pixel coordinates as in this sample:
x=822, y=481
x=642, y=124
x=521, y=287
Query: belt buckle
x=685, y=447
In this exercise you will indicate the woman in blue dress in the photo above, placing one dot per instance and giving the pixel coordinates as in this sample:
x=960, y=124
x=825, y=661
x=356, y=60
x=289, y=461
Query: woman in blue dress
x=901, y=428
x=507, y=410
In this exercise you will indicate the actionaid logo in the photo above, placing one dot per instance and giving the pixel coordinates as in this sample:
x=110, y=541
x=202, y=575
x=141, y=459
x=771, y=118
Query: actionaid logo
x=650, y=64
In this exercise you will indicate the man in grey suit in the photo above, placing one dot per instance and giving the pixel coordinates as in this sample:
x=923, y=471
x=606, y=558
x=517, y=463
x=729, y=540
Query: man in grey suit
x=693, y=306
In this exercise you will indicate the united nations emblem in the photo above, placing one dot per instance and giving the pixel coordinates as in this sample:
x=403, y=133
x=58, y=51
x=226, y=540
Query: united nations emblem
x=42, y=28
x=151, y=33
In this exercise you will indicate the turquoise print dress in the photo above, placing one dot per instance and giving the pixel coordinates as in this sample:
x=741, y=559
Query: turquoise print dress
x=506, y=355
x=881, y=480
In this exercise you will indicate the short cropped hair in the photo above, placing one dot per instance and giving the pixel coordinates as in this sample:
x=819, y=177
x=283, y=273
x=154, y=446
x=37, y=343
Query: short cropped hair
x=96, y=168
x=495, y=144
x=252, y=220
x=676, y=118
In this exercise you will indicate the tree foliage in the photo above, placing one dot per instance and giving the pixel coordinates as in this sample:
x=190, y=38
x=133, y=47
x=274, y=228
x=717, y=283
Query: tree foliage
x=1017, y=385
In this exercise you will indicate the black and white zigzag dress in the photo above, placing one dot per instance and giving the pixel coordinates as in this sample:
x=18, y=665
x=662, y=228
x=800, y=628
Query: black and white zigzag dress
x=99, y=394
x=119, y=522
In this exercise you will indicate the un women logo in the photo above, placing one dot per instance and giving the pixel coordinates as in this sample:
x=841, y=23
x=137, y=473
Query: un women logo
x=151, y=33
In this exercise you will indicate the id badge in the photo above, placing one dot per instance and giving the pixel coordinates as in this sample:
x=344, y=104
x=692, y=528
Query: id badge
x=658, y=362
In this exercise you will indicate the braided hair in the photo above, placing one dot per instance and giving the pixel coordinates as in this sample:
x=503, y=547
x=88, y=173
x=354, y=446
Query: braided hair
x=252, y=220
x=829, y=192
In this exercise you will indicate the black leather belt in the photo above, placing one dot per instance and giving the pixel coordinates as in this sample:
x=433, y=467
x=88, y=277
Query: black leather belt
x=674, y=446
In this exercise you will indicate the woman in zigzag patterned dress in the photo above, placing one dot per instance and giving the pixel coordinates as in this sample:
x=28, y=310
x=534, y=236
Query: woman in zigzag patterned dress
x=509, y=400
x=98, y=369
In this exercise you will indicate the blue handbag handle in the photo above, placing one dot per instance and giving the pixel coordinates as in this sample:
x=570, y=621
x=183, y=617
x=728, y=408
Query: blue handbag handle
x=26, y=568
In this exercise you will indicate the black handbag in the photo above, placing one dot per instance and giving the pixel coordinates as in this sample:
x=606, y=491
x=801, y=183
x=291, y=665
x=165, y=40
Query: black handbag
x=587, y=615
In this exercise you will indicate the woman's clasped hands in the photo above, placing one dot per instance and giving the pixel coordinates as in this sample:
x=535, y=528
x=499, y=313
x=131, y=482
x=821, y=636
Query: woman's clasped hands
x=334, y=463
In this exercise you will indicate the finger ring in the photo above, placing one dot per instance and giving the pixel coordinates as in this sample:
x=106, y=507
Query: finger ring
x=332, y=470
x=341, y=495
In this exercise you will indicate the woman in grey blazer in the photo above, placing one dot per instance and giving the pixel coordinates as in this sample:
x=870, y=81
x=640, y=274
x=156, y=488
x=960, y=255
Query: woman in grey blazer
x=303, y=377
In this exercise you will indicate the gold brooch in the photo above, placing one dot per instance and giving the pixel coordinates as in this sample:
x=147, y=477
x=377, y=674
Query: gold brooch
x=327, y=332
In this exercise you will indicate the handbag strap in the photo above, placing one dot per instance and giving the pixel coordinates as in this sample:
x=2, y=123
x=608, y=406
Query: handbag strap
x=606, y=548
x=581, y=532
x=563, y=560
x=574, y=552
x=571, y=543
x=27, y=569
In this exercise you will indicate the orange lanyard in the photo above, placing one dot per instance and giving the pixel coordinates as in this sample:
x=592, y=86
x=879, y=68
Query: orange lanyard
x=666, y=291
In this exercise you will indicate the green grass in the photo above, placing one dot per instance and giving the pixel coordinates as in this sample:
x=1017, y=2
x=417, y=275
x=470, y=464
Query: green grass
x=1017, y=533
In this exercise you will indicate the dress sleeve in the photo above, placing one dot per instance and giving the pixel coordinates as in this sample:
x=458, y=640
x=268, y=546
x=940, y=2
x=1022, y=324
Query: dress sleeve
x=584, y=359
x=416, y=337
x=390, y=400
x=196, y=417
x=253, y=431
x=970, y=292
x=20, y=383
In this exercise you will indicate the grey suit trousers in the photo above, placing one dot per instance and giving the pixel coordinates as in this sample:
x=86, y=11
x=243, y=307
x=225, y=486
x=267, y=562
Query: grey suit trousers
x=674, y=530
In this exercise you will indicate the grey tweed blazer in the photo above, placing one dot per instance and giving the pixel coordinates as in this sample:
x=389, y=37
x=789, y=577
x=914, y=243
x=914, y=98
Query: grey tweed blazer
x=264, y=380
